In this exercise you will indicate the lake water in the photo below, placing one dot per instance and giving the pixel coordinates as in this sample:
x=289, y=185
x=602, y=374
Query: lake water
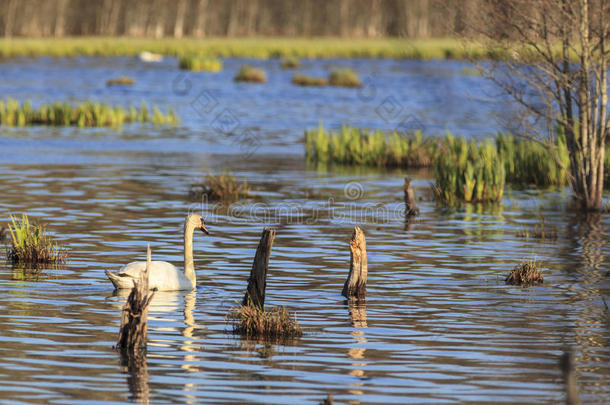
x=439, y=325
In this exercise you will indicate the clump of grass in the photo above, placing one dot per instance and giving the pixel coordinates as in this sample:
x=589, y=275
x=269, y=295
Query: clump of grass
x=87, y=114
x=200, y=63
x=344, y=78
x=528, y=162
x=290, y=63
x=30, y=244
x=306, y=80
x=250, y=74
x=526, y=273
x=467, y=172
x=120, y=81
x=253, y=322
x=370, y=148
x=221, y=187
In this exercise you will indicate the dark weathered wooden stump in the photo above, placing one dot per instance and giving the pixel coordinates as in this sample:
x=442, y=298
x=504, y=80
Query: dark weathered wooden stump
x=410, y=204
x=355, y=285
x=255, y=294
x=134, y=318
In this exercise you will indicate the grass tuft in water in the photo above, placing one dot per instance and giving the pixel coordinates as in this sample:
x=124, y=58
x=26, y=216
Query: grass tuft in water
x=87, y=114
x=344, y=78
x=355, y=146
x=200, y=63
x=525, y=274
x=253, y=322
x=30, y=244
x=250, y=74
x=221, y=187
x=305, y=80
x=468, y=172
x=120, y=81
x=290, y=63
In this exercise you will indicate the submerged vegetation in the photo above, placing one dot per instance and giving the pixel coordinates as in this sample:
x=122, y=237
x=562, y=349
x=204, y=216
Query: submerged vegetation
x=249, y=47
x=221, y=187
x=87, y=114
x=120, y=81
x=200, y=63
x=250, y=74
x=253, y=322
x=344, y=78
x=468, y=172
x=525, y=274
x=30, y=244
x=305, y=80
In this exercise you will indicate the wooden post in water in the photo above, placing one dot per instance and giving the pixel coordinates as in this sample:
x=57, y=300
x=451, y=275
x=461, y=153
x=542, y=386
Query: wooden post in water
x=410, y=204
x=355, y=285
x=255, y=294
x=134, y=318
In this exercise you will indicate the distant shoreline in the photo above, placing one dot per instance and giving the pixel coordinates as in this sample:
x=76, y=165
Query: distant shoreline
x=248, y=47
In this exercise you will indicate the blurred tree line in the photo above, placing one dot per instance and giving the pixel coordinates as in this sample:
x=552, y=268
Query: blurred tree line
x=202, y=18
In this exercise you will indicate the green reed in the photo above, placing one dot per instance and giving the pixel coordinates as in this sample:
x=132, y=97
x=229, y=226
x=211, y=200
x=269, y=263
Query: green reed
x=87, y=114
x=355, y=146
x=465, y=171
x=528, y=162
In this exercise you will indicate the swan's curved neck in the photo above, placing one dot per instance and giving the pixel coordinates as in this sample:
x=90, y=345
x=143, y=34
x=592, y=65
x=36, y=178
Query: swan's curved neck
x=189, y=266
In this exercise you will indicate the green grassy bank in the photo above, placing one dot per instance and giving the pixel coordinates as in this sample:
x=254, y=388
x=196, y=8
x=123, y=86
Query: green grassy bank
x=253, y=47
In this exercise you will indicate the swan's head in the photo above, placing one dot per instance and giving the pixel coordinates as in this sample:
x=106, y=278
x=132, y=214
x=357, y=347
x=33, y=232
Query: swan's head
x=197, y=222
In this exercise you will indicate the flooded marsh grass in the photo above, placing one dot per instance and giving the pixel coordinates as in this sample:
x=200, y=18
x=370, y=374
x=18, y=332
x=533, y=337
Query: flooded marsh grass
x=87, y=114
x=439, y=324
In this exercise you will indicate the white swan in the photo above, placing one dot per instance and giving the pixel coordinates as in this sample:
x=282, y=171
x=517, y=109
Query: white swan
x=164, y=276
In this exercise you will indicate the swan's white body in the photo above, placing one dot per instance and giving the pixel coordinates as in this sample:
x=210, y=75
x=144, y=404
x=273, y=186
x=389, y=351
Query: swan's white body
x=164, y=276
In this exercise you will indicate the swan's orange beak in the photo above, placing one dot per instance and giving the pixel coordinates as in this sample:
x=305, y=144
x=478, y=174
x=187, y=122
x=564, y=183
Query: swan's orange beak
x=204, y=229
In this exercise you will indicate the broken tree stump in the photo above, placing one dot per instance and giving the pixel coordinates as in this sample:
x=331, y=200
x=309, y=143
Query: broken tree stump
x=255, y=293
x=410, y=204
x=355, y=285
x=134, y=318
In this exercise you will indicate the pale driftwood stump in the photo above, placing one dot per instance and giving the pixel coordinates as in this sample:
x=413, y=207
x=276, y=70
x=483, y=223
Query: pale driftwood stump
x=410, y=204
x=134, y=318
x=355, y=285
x=255, y=294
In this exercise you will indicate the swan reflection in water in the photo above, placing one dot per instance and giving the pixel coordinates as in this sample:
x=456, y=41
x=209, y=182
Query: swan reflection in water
x=162, y=328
